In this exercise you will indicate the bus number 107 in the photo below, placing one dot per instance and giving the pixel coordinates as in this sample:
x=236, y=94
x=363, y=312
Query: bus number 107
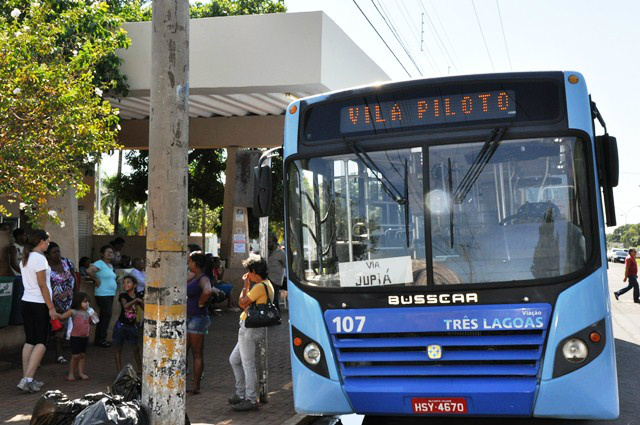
x=347, y=324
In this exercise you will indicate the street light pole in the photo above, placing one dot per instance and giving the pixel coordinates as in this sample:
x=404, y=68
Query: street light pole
x=164, y=383
x=628, y=211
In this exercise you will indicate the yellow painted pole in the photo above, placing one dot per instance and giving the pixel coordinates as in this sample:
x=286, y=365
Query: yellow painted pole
x=163, y=385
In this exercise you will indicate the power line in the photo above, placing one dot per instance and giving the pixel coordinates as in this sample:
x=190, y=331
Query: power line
x=397, y=36
x=506, y=47
x=385, y=43
x=407, y=19
x=444, y=30
x=482, y=33
x=434, y=30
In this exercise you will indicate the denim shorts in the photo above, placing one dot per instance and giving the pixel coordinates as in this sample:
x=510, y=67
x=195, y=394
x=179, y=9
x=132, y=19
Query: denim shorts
x=124, y=333
x=198, y=324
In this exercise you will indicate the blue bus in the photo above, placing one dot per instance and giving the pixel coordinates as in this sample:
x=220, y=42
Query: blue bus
x=446, y=248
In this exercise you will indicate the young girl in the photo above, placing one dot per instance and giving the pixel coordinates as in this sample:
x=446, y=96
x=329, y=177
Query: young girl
x=79, y=334
x=125, y=327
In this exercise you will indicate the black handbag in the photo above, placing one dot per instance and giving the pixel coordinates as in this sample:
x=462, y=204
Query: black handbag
x=262, y=315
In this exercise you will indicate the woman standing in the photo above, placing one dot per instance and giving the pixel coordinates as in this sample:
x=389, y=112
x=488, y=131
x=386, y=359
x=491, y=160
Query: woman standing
x=37, y=307
x=63, y=284
x=257, y=288
x=105, y=280
x=198, y=292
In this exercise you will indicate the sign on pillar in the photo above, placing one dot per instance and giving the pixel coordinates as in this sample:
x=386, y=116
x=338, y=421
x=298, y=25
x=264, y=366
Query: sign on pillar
x=240, y=237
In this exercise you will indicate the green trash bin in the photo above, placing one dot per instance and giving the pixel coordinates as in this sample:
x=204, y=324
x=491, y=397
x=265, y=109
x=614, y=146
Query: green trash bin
x=6, y=297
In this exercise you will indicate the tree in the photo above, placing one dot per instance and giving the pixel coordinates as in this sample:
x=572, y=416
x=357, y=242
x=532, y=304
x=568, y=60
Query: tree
x=628, y=235
x=57, y=58
x=134, y=219
x=101, y=224
x=213, y=224
x=140, y=10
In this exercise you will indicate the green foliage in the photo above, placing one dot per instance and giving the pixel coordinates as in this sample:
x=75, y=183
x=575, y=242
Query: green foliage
x=236, y=7
x=213, y=223
x=132, y=188
x=101, y=224
x=206, y=167
x=133, y=219
x=57, y=57
x=628, y=235
x=131, y=10
x=140, y=10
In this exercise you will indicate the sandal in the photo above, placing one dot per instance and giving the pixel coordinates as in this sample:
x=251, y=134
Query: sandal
x=62, y=360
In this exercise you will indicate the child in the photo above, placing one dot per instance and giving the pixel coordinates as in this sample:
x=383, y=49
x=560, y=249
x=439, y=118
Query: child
x=84, y=264
x=125, y=327
x=79, y=334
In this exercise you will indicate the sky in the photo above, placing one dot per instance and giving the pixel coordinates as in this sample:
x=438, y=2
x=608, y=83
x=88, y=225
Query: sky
x=596, y=38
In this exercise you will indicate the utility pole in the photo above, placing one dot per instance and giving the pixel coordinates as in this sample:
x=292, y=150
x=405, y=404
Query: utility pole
x=262, y=364
x=422, y=34
x=163, y=382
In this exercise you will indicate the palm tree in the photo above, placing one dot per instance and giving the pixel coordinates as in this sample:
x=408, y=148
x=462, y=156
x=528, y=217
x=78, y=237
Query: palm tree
x=134, y=219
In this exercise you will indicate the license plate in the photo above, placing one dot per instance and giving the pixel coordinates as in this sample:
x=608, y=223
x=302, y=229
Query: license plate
x=439, y=405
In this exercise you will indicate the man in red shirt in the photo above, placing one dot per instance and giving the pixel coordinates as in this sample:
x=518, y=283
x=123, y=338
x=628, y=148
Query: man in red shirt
x=631, y=273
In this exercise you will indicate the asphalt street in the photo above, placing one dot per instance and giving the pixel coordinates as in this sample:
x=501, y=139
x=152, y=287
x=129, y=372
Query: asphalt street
x=626, y=322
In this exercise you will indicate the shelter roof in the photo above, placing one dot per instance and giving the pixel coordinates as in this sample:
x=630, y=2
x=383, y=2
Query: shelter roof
x=251, y=65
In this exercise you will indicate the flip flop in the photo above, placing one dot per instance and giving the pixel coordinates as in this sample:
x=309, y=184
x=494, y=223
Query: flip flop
x=62, y=360
x=70, y=379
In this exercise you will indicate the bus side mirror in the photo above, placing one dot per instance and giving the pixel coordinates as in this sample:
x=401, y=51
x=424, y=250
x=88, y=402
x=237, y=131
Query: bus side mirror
x=611, y=157
x=607, y=149
x=261, y=191
x=609, y=173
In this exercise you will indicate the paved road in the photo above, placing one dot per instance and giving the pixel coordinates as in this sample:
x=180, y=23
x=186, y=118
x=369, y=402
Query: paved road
x=626, y=322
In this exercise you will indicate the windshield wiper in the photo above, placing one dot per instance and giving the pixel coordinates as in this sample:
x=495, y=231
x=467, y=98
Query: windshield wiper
x=481, y=161
x=368, y=162
x=390, y=190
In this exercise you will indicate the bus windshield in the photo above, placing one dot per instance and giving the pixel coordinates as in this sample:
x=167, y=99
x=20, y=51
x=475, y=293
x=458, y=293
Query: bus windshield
x=512, y=210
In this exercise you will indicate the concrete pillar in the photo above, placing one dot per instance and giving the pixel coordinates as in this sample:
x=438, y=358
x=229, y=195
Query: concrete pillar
x=164, y=383
x=66, y=236
x=226, y=245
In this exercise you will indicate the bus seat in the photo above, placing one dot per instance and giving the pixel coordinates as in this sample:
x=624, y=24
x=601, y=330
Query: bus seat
x=527, y=251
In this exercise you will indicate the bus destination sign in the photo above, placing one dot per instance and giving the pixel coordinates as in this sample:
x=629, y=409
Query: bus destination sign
x=428, y=111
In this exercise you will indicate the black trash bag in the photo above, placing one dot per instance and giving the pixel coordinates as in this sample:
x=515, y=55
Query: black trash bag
x=54, y=408
x=127, y=384
x=113, y=410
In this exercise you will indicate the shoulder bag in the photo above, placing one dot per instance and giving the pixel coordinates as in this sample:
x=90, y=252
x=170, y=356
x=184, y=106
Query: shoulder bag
x=262, y=315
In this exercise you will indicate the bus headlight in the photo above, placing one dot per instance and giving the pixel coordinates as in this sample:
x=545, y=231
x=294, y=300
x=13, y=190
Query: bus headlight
x=575, y=350
x=312, y=354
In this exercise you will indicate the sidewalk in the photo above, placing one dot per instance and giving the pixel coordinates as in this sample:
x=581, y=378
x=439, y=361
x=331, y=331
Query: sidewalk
x=208, y=407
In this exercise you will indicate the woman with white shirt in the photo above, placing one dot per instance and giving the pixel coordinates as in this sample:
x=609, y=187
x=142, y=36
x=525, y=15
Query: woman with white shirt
x=37, y=307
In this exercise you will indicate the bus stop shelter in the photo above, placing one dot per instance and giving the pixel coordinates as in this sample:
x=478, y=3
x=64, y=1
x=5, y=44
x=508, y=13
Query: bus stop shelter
x=243, y=72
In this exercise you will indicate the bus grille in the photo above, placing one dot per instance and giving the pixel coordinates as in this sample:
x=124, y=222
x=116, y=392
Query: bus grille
x=515, y=353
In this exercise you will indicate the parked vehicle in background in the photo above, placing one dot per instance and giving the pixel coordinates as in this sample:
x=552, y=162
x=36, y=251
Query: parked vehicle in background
x=616, y=255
